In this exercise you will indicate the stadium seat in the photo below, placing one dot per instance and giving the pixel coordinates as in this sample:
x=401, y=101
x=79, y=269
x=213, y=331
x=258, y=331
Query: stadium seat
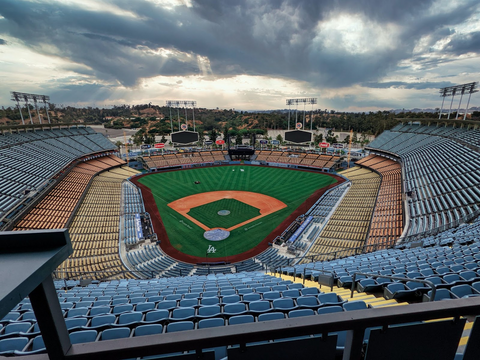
x=240, y=319
x=83, y=336
x=259, y=307
x=150, y=329
x=156, y=316
x=37, y=346
x=330, y=299
x=180, y=326
x=9, y=346
x=234, y=309
x=117, y=333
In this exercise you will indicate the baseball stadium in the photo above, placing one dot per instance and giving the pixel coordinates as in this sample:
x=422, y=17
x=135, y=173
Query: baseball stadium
x=190, y=254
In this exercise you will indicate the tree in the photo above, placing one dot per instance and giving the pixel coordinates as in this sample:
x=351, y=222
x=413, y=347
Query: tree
x=318, y=138
x=239, y=139
x=330, y=136
x=213, y=135
x=163, y=140
x=225, y=132
x=280, y=139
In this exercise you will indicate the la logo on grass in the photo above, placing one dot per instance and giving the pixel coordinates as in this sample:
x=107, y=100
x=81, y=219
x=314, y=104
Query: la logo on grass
x=211, y=250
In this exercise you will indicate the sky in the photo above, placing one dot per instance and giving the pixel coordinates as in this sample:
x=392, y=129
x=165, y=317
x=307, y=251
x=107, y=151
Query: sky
x=352, y=55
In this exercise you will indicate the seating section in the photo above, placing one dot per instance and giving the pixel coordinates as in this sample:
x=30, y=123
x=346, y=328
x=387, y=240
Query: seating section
x=441, y=176
x=131, y=204
x=303, y=159
x=123, y=308
x=445, y=264
x=347, y=228
x=462, y=135
x=387, y=220
x=178, y=159
x=94, y=231
x=29, y=159
x=149, y=261
x=55, y=209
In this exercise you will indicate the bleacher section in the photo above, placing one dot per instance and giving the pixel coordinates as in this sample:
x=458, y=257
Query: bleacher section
x=302, y=159
x=28, y=160
x=347, y=228
x=387, y=220
x=55, y=209
x=94, y=230
x=441, y=177
x=178, y=159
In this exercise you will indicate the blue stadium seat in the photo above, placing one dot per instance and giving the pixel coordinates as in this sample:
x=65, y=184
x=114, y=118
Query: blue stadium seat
x=150, y=329
x=259, y=307
x=83, y=336
x=9, y=346
x=116, y=333
x=240, y=319
x=180, y=326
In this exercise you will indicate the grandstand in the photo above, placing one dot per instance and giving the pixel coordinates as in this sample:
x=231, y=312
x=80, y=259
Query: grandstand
x=399, y=234
x=441, y=174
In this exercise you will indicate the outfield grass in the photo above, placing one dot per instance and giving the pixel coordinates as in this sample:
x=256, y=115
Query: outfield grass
x=208, y=214
x=289, y=186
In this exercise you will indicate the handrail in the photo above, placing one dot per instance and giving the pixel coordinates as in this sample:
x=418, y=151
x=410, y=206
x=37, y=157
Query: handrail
x=354, y=322
x=429, y=283
x=57, y=274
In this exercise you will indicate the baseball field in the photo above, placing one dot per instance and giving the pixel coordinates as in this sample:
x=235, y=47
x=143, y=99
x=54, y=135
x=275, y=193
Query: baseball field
x=247, y=201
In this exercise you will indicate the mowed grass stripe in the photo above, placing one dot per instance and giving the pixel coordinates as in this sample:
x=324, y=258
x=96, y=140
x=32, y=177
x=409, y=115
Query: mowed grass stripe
x=289, y=186
x=239, y=212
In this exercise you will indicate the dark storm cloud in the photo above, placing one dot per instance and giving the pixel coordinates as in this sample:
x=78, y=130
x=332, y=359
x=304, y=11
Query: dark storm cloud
x=464, y=43
x=269, y=37
x=2, y=42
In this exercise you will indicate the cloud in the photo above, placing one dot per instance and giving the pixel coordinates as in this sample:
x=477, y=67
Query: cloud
x=2, y=42
x=464, y=43
x=323, y=43
x=408, y=85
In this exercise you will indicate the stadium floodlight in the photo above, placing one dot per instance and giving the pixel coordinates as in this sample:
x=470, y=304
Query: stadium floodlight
x=468, y=88
x=16, y=96
x=303, y=101
x=179, y=103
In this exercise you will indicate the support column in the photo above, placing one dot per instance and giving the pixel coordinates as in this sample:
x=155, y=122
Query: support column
x=50, y=319
x=193, y=115
x=28, y=108
x=36, y=108
x=20, y=110
x=288, y=116
x=451, y=103
x=46, y=110
x=441, y=109
x=459, y=103
x=468, y=103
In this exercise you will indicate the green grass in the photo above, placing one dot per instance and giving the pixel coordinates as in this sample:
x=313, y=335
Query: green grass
x=239, y=212
x=289, y=186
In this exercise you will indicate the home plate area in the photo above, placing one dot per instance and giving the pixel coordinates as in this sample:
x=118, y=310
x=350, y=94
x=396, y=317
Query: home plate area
x=216, y=234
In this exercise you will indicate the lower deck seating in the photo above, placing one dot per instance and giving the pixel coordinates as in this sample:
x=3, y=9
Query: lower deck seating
x=347, y=228
x=95, y=229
